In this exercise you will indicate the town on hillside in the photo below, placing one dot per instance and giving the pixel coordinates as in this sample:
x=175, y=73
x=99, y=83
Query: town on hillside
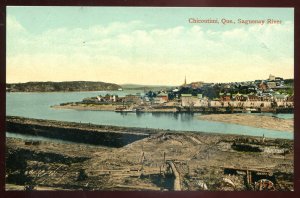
x=274, y=94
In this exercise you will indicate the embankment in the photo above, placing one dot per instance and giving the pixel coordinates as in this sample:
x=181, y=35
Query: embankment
x=76, y=132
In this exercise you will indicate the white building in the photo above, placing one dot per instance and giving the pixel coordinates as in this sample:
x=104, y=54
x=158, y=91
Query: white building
x=271, y=77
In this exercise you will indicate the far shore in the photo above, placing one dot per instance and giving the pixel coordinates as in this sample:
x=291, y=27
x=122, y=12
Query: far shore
x=265, y=122
x=59, y=91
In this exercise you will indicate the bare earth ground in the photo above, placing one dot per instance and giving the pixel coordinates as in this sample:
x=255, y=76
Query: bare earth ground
x=141, y=165
x=266, y=122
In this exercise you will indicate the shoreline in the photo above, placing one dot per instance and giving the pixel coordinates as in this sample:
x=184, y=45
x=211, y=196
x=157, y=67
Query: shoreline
x=244, y=119
x=109, y=107
x=164, y=108
x=261, y=121
x=98, y=128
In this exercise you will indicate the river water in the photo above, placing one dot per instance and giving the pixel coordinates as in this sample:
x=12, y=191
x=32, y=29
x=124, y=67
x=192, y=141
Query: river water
x=37, y=105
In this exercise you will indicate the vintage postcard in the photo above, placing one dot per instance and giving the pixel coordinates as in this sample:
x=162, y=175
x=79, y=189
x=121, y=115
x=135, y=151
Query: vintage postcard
x=149, y=98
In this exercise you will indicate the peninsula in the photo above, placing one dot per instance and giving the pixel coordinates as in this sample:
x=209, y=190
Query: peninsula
x=61, y=86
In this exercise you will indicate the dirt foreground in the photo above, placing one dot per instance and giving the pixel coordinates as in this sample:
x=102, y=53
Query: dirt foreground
x=160, y=162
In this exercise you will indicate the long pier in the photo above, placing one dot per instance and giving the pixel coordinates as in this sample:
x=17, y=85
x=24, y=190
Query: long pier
x=110, y=136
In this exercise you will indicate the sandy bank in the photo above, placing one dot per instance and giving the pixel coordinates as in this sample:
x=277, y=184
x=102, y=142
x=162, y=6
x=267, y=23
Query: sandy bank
x=266, y=122
x=108, y=107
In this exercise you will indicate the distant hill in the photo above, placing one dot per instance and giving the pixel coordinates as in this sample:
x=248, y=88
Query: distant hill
x=147, y=87
x=61, y=86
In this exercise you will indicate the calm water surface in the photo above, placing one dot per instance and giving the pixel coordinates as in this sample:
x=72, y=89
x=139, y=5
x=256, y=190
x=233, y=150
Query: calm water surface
x=37, y=105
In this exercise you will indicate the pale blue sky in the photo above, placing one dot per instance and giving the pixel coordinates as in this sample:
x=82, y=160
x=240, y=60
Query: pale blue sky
x=146, y=45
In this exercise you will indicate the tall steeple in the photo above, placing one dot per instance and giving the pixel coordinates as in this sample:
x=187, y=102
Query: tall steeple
x=184, y=80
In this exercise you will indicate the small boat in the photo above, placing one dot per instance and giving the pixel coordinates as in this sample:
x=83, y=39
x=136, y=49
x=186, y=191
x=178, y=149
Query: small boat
x=250, y=110
x=125, y=110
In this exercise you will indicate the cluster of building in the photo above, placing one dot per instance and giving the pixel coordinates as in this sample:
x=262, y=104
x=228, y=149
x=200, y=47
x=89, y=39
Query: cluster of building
x=137, y=98
x=115, y=99
x=237, y=100
x=259, y=93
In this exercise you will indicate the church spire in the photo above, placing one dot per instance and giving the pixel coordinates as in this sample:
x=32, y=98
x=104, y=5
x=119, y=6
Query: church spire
x=185, y=80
